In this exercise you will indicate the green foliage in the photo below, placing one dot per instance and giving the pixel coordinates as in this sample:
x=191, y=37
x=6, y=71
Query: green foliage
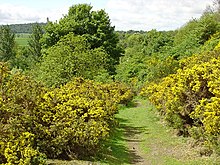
x=134, y=40
x=157, y=42
x=18, y=57
x=7, y=44
x=194, y=34
x=24, y=61
x=146, y=58
x=34, y=41
x=95, y=26
x=131, y=70
x=70, y=57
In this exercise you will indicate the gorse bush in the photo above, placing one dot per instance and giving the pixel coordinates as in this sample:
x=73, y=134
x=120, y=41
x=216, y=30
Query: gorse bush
x=189, y=99
x=19, y=150
x=65, y=122
x=19, y=97
x=78, y=116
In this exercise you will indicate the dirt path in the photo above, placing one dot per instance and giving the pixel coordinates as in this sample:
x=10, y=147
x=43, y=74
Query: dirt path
x=133, y=137
x=133, y=141
x=149, y=142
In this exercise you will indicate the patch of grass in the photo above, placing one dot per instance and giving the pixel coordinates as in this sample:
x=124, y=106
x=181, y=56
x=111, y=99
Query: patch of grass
x=115, y=150
x=22, y=39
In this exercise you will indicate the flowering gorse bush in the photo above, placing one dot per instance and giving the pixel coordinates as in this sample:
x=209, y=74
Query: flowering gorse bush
x=189, y=99
x=65, y=122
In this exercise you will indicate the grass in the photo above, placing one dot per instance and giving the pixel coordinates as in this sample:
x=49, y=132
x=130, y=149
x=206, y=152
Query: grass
x=22, y=39
x=141, y=138
x=158, y=144
x=115, y=150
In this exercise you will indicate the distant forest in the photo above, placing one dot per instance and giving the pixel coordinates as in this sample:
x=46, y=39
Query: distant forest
x=24, y=28
x=27, y=28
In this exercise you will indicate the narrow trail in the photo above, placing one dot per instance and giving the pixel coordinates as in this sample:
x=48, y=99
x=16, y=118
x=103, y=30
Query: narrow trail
x=133, y=142
x=149, y=142
x=133, y=134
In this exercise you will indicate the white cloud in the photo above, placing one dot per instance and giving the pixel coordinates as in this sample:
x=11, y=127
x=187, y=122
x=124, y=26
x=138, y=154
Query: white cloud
x=154, y=14
x=124, y=14
x=14, y=14
x=11, y=14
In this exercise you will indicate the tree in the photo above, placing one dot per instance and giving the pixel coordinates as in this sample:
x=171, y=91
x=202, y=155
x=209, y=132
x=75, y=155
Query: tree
x=95, y=26
x=216, y=4
x=70, y=56
x=34, y=42
x=146, y=58
x=7, y=44
x=215, y=7
x=194, y=34
x=157, y=41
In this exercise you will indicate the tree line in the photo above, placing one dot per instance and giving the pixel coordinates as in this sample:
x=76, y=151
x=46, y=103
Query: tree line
x=23, y=28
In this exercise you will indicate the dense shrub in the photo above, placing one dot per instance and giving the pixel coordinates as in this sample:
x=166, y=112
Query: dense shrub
x=19, y=97
x=147, y=58
x=70, y=57
x=19, y=150
x=189, y=99
x=78, y=115
x=65, y=122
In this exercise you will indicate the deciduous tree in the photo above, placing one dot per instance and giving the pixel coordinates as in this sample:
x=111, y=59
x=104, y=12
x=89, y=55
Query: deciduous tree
x=70, y=56
x=95, y=26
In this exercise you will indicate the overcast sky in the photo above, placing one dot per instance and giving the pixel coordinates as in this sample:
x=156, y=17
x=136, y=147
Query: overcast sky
x=124, y=14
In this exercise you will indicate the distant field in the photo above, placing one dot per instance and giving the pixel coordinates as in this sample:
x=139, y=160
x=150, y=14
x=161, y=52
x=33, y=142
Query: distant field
x=22, y=39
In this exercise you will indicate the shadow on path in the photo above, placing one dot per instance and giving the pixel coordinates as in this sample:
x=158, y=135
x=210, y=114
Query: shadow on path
x=123, y=144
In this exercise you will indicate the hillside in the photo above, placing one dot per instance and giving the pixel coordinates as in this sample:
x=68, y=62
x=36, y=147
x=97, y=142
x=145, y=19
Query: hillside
x=24, y=28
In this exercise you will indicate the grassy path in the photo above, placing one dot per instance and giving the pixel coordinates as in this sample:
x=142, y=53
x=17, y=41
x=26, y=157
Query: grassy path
x=142, y=139
x=148, y=141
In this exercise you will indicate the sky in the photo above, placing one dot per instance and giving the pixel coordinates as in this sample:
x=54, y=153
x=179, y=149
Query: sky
x=124, y=14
